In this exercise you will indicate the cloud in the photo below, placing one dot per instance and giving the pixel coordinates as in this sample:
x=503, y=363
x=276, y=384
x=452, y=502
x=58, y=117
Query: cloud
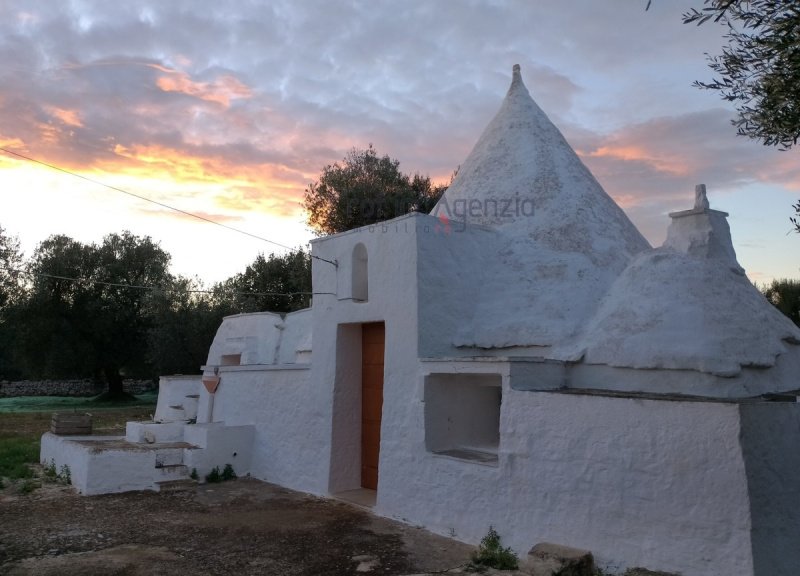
x=249, y=101
x=221, y=90
x=662, y=159
x=66, y=116
x=191, y=217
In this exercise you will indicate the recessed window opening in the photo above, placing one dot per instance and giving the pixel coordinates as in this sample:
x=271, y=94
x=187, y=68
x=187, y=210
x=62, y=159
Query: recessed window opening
x=231, y=359
x=462, y=416
x=360, y=272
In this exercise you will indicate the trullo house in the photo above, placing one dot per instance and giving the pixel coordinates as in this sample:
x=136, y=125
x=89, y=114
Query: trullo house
x=522, y=358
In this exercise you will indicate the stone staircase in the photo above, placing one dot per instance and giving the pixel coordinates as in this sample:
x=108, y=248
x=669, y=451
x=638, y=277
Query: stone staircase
x=157, y=454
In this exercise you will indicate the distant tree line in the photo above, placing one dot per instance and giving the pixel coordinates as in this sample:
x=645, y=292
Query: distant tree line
x=113, y=310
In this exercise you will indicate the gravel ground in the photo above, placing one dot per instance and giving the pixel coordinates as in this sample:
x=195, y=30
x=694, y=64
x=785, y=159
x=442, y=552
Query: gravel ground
x=239, y=527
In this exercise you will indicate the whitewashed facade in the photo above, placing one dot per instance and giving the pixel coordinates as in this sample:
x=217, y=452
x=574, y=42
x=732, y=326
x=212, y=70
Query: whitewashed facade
x=544, y=371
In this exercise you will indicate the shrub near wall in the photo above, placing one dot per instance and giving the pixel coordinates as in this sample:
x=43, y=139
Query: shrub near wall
x=67, y=387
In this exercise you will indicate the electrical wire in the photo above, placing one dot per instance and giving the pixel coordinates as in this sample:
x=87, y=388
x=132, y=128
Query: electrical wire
x=156, y=202
x=157, y=288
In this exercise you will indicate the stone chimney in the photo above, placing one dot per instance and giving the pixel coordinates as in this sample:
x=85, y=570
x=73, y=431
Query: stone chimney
x=702, y=232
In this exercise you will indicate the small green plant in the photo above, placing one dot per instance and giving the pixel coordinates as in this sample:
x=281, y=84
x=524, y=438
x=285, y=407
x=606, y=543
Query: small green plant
x=194, y=475
x=49, y=472
x=214, y=476
x=228, y=473
x=491, y=554
x=65, y=474
x=28, y=486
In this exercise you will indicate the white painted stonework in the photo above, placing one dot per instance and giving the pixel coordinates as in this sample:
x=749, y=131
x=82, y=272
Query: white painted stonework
x=546, y=372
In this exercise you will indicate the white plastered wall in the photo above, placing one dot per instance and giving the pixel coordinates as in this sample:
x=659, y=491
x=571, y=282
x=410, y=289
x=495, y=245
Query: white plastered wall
x=392, y=278
x=172, y=391
x=98, y=472
x=644, y=482
x=288, y=432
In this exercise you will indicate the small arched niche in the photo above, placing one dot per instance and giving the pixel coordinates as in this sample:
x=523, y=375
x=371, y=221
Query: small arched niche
x=360, y=273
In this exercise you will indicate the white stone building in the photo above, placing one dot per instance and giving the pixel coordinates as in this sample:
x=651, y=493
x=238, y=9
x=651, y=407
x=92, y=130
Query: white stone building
x=520, y=358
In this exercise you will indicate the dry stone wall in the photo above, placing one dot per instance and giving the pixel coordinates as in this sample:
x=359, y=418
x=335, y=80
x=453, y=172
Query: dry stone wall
x=67, y=387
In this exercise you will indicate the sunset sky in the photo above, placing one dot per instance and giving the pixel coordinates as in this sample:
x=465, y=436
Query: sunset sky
x=228, y=109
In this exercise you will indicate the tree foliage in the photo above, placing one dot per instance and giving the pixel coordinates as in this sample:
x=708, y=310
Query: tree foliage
x=363, y=189
x=11, y=290
x=113, y=309
x=98, y=324
x=796, y=218
x=10, y=267
x=274, y=283
x=785, y=296
x=759, y=69
x=185, y=320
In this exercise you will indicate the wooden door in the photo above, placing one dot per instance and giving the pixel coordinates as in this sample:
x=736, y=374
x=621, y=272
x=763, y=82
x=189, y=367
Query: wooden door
x=372, y=346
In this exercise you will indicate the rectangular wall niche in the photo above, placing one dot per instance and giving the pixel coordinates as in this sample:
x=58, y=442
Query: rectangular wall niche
x=462, y=416
x=231, y=359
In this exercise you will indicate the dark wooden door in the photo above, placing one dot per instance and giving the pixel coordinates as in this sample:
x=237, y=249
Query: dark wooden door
x=373, y=337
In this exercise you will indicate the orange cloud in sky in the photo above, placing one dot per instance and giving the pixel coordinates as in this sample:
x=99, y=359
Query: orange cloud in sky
x=221, y=91
x=626, y=200
x=785, y=169
x=267, y=187
x=6, y=142
x=48, y=134
x=67, y=116
x=673, y=166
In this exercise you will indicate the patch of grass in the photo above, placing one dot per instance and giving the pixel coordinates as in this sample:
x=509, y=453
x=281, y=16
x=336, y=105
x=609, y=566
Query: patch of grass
x=49, y=472
x=16, y=453
x=491, y=554
x=28, y=486
x=66, y=403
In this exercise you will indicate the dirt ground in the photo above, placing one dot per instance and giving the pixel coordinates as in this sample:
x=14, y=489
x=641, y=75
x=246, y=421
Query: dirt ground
x=239, y=527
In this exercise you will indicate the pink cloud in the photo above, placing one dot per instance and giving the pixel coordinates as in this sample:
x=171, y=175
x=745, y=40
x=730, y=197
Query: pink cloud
x=221, y=91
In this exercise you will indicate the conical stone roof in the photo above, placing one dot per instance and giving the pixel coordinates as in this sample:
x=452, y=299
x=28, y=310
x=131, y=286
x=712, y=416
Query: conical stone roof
x=689, y=306
x=561, y=239
x=523, y=177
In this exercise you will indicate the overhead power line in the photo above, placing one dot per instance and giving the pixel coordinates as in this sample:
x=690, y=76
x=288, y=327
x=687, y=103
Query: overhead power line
x=155, y=288
x=156, y=202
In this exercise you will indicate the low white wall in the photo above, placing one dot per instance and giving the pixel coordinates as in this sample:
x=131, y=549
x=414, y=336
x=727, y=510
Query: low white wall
x=289, y=434
x=220, y=445
x=112, y=471
x=59, y=451
x=98, y=471
x=172, y=391
x=654, y=483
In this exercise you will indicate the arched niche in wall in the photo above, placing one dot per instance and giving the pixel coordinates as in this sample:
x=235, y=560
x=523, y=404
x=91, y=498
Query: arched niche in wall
x=360, y=273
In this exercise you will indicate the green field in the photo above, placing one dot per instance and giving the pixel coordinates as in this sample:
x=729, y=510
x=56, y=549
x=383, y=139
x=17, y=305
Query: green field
x=70, y=403
x=24, y=419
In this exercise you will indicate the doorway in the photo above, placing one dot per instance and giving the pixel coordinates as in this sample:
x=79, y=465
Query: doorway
x=373, y=339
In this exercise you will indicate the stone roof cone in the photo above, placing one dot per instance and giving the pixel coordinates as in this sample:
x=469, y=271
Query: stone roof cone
x=688, y=306
x=523, y=176
x=561, y=240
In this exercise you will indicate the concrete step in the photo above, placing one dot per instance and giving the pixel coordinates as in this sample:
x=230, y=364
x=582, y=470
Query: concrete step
x=175, y=485
x=154, y=432
x=169, y=457
x=171, y=472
